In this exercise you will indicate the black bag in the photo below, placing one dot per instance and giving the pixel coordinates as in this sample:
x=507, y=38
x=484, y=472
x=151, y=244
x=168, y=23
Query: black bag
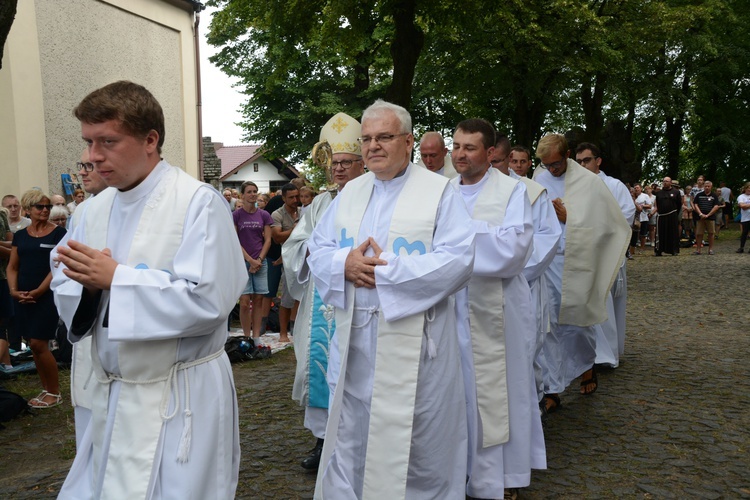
x=11, y=405
x=243, y=349
x=64, y=352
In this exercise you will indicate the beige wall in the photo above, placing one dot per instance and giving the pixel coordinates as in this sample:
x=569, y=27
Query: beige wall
x=58, y=52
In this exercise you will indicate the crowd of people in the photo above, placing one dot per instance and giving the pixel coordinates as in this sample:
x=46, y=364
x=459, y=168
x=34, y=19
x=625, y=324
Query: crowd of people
x=437, y=310
x=687, y=215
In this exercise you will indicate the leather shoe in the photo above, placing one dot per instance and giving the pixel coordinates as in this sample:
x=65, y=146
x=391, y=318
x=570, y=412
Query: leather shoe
x=312, y=461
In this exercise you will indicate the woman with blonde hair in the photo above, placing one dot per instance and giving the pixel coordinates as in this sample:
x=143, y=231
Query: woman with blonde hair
x=29, y=278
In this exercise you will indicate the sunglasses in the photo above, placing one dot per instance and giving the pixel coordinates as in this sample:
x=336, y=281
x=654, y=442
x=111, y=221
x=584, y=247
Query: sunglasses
x=41, y=207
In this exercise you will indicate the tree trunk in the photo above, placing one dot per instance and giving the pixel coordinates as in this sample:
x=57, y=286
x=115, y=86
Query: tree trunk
x=405, y=50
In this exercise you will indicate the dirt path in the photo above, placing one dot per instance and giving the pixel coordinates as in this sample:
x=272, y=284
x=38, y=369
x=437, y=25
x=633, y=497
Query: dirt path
x=671, y=422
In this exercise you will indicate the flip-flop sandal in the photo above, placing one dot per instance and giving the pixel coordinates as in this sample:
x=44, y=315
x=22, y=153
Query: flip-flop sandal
x=592, y=380
x=546, y=410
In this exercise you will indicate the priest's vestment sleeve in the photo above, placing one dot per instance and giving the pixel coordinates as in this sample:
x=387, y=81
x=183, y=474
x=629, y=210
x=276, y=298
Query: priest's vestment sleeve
x=547, y=233
x=294, y=250
x=498, y=247
x=413, y=283
x=151, y=304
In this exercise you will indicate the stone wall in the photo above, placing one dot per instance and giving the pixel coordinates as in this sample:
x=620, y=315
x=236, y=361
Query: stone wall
x=211, y=164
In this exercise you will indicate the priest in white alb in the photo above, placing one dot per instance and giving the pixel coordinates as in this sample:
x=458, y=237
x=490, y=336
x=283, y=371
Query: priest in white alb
x=547, y=234
x=610, y=341
x=495, y=318
x=315, y=325
x=389, y=254
x=592, y=246
x=150, y=273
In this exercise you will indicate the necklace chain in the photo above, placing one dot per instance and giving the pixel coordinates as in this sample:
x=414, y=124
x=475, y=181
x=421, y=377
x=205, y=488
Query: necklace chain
x=35, y=234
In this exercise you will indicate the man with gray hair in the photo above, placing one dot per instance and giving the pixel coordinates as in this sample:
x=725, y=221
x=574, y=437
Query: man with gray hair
x=388, y=254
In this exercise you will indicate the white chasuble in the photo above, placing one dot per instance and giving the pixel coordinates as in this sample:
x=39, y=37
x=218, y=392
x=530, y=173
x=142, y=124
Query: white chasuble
x=399, y=342
x=596, y=239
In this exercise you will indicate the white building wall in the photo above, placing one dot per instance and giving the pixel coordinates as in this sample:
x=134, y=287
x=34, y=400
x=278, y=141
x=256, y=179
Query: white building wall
x=263, y=177
x=57, y=52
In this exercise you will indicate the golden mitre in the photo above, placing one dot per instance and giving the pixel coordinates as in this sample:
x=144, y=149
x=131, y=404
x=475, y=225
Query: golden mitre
x=338, y=135
x=341, y=133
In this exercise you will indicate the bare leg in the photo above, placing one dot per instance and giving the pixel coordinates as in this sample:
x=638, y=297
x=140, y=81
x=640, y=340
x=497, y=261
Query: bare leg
x=710, y=242
x=46, y=366
x=284, y=315
x=4, y=352
x=246, y=319
x=257, y=314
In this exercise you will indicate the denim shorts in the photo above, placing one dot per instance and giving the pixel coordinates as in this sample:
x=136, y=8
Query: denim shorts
x=257, y=283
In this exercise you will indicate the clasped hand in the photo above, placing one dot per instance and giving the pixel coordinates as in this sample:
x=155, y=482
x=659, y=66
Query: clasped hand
x=359, y=269
x=560, y=210
x=92, y=268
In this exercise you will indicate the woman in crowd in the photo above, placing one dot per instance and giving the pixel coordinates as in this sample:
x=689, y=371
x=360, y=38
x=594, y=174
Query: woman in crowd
x=28, y=280
x=58, y=216
x=262, y=201
x=743, y=201
x=254, y=232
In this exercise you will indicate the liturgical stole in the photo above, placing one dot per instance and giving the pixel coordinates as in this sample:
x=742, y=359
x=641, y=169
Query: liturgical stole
x=399, y=343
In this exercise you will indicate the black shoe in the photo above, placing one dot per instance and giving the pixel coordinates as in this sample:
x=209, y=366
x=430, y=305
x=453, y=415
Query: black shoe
x=313, y=459
x=741, y=250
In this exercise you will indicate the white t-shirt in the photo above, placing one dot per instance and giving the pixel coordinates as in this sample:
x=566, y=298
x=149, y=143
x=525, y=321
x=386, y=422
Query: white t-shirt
x=744, y=198
x=643, y=199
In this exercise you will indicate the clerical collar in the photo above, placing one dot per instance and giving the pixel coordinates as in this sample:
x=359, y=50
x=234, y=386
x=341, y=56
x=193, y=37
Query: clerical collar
x=146, y=186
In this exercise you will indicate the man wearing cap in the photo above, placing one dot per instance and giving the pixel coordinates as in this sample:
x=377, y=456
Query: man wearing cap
x=388, y=254
x=434, y=155
x=315, y=325
x=592, y=246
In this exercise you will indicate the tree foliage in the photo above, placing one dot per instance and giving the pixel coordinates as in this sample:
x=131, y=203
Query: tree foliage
x=662, y=86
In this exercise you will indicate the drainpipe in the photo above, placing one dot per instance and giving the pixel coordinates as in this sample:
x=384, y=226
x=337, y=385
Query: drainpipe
x=199, y=105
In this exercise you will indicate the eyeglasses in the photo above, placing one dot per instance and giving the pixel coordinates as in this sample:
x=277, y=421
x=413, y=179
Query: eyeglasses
x=345, y=164
x=380, y=139
x=61, y=220
x=584, y=161
x=88, y=167
x=555, y=164
x=41, y=207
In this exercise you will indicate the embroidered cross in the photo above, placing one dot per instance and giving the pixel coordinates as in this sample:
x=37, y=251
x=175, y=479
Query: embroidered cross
x=345, y=242
x=339, y=125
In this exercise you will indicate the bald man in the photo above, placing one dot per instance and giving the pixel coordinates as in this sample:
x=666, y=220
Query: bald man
x=433, y=153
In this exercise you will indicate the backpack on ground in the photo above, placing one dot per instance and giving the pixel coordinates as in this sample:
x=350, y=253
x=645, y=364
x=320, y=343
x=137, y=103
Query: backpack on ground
x=11, y=405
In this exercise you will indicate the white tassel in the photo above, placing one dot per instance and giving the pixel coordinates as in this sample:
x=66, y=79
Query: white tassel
x=431, y=349
x=183, y=453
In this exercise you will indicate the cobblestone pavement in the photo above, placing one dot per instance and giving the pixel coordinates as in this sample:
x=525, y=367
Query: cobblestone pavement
x=671, y=422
